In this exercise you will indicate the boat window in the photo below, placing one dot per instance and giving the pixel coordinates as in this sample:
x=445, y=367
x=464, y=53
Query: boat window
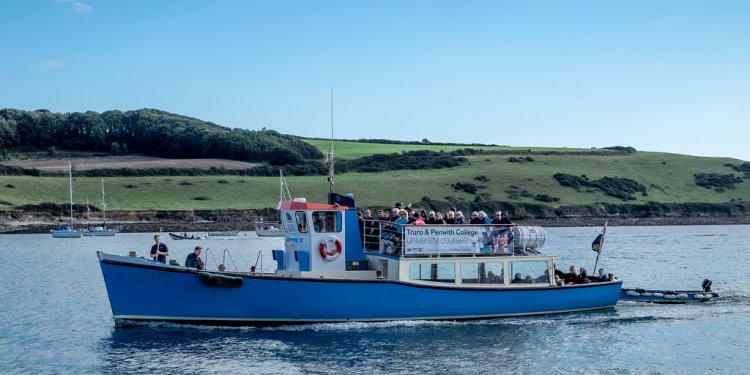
x=301, y=221
x=482, y=272
x=438, y=272
x=288, y=222
x=529, y=272
x=326, y=221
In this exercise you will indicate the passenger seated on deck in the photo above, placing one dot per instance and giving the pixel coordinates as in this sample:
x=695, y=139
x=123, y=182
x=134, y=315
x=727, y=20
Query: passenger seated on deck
x=494, y=279
x=528, y=279
x=558, y=280
x=582, y=277
x=602, y=276
x=450, y=217
x=491, y=277
x=571, y=277
x=517, y=279
x=418, y=220
x=459, y=218
x=193, y=259
x=543, y=278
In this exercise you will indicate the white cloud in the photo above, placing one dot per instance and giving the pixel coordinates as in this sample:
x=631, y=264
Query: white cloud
x=77, y=6
x=47, y=65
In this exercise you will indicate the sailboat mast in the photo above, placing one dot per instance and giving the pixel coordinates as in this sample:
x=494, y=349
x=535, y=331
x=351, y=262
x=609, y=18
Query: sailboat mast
x=281, y=188
x=330, y=151
x=70, y=183
x=104, y=204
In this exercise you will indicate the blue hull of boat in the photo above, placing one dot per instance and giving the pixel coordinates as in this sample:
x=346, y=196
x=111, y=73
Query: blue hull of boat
x=66, y=234
x=155, y=292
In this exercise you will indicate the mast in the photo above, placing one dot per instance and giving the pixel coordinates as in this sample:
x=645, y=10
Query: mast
x=104, y=204
x=330, y=151
x=281, y=188
x=70, y=183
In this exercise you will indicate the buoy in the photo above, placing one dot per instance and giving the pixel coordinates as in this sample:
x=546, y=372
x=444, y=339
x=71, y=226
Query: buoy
x=632, y=293
x=670, y=296
x=682, y=295
x=658, y=294
x=698, y=296
x=646, y=294
x=708, y=296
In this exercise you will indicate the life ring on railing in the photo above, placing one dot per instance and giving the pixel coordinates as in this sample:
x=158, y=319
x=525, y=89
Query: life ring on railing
x=330, y=248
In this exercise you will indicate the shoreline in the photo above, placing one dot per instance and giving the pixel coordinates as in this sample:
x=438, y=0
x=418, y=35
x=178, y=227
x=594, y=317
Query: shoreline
x=231, y=220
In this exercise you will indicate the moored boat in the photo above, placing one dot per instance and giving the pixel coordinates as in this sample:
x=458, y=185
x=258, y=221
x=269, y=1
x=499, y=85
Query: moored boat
x=183, y=236
x=65, y=230
x=270, y=232
x=227, y=235
x=100, y=230
x=327, y=272
x=669, y=296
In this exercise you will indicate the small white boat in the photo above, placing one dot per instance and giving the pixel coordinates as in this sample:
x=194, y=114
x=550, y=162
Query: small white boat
x=270, y=232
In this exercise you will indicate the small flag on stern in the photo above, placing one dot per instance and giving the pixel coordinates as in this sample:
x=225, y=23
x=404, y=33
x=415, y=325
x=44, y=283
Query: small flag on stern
x=599, y=240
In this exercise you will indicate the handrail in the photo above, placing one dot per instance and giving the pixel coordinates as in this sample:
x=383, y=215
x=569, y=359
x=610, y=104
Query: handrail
x=224, y=258
x=208, y=252
x=254, y=267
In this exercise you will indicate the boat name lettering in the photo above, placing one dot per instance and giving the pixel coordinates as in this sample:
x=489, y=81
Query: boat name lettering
x=131, y=276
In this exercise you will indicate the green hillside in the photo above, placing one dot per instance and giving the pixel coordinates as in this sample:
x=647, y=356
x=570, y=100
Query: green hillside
x=668, y=178
x=352, y=149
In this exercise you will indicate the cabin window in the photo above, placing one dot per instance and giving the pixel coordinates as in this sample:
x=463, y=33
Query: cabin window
x=326, y=221
x=437, y=272
x=288, y=222
x=301, y=221
x=482, y=272
x=529, y=272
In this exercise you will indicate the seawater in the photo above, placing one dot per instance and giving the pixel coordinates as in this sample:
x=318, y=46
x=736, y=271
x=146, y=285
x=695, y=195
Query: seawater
x=55, y=316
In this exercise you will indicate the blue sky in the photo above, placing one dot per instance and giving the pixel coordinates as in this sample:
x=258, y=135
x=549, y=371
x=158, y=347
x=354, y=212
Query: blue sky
x=671, y=76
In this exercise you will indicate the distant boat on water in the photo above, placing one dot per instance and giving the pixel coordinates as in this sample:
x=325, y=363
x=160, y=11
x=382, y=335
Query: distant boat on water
x=223, y=235
x=100, y=230
x=183, y=236
x=274, y=229
x=65, y=230
x=270, y=232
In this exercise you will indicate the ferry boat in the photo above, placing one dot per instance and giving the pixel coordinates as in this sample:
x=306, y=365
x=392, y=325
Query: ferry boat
x=333, y=270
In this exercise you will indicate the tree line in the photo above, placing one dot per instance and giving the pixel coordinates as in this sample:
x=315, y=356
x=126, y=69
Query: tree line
x=149, y=132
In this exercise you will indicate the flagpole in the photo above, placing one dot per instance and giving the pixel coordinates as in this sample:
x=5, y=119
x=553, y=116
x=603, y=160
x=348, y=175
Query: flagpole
x=599, y=248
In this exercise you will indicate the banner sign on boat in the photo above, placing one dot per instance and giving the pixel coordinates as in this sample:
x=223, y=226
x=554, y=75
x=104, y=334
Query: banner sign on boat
x=457, y=239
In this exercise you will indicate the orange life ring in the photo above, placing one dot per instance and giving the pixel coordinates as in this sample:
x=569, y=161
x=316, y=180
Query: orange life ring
x=330, y=248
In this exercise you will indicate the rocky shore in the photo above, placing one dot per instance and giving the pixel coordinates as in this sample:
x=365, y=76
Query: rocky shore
x=247, y=220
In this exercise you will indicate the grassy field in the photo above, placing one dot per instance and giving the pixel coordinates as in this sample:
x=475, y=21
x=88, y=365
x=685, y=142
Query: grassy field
x=353, y=150
x=668, y=177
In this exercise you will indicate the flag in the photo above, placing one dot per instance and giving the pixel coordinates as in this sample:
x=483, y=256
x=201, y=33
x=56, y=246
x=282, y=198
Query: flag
x=599, y=240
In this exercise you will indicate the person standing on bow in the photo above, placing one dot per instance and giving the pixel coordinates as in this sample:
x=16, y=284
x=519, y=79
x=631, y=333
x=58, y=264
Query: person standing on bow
x=193, y=259
x=159, y=252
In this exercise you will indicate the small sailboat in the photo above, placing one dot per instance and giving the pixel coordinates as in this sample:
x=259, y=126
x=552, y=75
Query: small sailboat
x=65, y=230
x=101, y=230
x=270, y=229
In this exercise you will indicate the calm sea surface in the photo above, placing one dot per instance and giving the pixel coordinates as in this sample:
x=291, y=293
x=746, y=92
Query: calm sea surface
x=55, y=316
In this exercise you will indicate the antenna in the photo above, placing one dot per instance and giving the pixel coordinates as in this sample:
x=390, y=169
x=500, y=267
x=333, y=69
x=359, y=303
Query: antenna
x=330, y=151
